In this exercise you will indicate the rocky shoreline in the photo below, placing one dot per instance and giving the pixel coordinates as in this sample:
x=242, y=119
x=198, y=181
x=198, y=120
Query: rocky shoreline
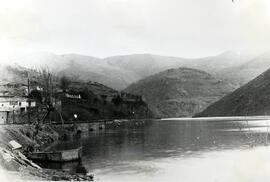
x=15, y=162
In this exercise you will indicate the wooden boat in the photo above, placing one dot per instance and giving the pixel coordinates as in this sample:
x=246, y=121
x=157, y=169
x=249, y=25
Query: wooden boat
x=57, y=156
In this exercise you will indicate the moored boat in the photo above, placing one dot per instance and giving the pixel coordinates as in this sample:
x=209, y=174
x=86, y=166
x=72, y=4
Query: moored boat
x=57, y=156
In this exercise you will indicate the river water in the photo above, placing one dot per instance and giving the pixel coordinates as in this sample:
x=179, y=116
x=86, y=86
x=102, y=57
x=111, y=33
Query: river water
x=187, y=151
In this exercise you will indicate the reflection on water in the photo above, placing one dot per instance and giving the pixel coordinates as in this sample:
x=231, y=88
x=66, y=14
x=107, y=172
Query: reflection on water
x=172, y=150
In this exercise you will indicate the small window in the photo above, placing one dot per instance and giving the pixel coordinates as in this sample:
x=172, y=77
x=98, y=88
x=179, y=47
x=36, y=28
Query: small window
x=20, y=103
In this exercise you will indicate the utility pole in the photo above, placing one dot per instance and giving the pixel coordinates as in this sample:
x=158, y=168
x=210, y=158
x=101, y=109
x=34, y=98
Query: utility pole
x=28, y=92
x=50, y=95
x=13, y=115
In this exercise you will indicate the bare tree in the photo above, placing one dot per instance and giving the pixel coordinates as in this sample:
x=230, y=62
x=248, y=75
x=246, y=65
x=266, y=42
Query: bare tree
x=47, y=81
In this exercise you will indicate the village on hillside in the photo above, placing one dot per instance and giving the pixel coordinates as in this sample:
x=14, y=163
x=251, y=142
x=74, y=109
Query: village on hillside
x=41, y=96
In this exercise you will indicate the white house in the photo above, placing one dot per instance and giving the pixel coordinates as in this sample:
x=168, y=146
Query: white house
x=13, y=105
x=73, y=96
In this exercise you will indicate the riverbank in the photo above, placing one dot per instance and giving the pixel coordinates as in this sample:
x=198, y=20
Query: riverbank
x=228, y=118
x=13, y=161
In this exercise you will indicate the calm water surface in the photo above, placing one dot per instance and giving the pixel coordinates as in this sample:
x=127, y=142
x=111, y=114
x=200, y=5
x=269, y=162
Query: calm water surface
x=177, y=151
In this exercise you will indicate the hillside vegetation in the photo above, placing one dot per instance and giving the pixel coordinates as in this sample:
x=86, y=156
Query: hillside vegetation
x=180, y=92
x=250, y=99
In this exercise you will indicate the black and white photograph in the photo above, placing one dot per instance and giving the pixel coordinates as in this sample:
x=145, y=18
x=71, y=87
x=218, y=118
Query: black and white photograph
x=135, y=90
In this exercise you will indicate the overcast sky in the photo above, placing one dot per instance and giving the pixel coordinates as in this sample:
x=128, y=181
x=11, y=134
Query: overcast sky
x=101, y=28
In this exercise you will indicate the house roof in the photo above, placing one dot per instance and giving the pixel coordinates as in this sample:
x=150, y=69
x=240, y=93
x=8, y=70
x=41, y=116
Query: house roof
x=14, y=98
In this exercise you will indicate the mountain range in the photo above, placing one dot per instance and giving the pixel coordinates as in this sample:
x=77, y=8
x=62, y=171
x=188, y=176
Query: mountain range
x=119, y=72
x=172, y=86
